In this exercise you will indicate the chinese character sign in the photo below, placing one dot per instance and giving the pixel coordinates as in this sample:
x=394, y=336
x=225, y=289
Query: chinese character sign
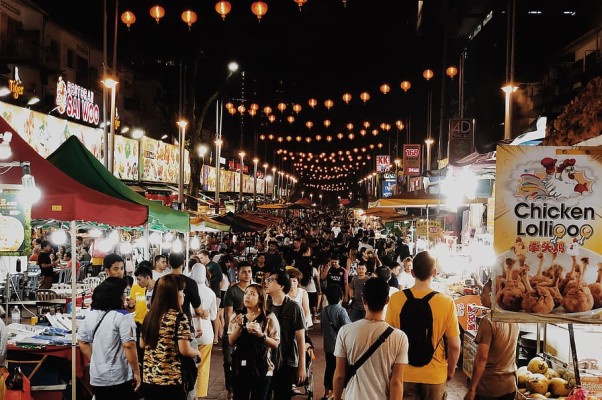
x=383, y=163
x=546, y=234
x=15, y=224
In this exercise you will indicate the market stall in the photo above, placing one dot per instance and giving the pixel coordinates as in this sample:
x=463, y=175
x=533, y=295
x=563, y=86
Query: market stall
x=548, y=267
x=63, y=199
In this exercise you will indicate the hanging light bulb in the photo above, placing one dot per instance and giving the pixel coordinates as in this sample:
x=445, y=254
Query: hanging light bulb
x=300, y=2
x=259, y=8
x=157, y=12
x=384, y=88
x=405, y=86
x=365, y=96
x=189, y=17
x=312, y=102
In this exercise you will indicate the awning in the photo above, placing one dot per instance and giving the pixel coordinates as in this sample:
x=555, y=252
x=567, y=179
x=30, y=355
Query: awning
x=200, y=222
x=64, y=198
x=272, y=206
x=238, y=224
x=418, y=198
x=76, y=161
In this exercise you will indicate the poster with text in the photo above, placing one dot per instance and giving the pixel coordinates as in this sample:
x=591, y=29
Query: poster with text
x=15, y=224
x=547, y=229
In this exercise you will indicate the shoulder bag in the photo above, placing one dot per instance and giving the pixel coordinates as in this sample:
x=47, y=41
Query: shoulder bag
x=352, y=368
x=188, y=367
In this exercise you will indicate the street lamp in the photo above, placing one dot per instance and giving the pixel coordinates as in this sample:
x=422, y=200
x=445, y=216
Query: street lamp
x=218, y=155
x=265, y=180
x=280, y=185
x=303, y=194
x=242, y=166
x=111, y=84
x=182, y=134
x=311, y=197
x=508, y=90
x=429, y=142
x=320, y=199
x=273, y=183
x=255, y=161
x=202, y=150
x=397, y=164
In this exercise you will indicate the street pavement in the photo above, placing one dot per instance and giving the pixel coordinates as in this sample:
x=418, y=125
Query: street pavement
x=456, y=387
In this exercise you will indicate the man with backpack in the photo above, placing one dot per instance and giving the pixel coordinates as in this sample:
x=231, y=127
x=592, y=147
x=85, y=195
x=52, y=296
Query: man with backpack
x=370, y=354
x=426, y=317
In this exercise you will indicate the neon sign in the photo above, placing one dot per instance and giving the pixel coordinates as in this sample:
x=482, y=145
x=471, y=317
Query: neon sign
x=77, y=102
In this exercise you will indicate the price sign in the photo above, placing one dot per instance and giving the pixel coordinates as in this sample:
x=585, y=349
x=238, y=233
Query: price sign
x=411, y=159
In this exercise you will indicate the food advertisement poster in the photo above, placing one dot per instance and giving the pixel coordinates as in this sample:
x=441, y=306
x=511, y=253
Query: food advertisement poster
x=161, y=162
x=15, y=224
x=45, y=133
x=547, y=229
x=126, y=158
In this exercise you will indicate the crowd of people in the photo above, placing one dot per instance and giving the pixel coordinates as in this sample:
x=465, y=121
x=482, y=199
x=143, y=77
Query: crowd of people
x=386, y=333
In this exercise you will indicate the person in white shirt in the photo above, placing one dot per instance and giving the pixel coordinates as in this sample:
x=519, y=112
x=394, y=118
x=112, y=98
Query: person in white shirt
x=205, y=341
x=405, y=278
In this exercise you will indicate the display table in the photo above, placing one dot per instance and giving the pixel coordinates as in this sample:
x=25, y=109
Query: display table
x=43, y=367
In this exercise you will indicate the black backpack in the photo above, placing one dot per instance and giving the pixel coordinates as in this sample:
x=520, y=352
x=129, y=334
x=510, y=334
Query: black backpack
x=416, y=321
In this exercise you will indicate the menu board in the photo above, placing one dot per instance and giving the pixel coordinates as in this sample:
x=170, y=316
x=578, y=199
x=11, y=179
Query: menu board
x=14, y=224
x=160, y=161
x=46, y=133
x=125, y=162
x=229, y=181
x=547, y=235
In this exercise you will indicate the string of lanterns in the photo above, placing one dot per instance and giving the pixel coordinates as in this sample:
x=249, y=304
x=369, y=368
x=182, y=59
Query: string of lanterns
x=223, y=8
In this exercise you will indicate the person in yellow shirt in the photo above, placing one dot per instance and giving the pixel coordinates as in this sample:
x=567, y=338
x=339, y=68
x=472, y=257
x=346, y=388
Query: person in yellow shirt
x=140, y=295
x=429, y=381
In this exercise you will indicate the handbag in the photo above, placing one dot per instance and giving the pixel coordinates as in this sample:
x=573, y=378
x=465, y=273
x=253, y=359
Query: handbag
x=351, y=369
x=188, y=367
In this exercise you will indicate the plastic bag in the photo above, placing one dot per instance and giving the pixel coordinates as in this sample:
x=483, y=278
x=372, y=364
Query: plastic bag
x=577, y=394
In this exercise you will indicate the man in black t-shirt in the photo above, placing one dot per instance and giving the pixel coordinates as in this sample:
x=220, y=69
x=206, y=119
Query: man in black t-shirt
x=46, y=265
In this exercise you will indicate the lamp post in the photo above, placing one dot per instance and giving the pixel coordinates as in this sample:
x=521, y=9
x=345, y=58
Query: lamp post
x=303, y=194
x=320, y=200
x=182, y=134
x=242, y=166
x=429, y=142
x=397, y=163
x=218, y=155
x=280, y=185
x=255, y=161
x=509, y=89
x=375, y=185
x=273, y=183
x=265, y=180
x=202, y=151
x=111, y=84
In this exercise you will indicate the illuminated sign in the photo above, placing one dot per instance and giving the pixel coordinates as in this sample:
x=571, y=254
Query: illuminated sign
x=15, y=85
x=382, y=163
x=411, y=159
x=77, y=102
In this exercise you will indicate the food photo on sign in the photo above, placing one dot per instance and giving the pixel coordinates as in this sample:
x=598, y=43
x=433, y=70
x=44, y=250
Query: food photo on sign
x=549, y=267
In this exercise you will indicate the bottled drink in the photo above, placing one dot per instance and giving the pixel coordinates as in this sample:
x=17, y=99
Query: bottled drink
x=15, y=315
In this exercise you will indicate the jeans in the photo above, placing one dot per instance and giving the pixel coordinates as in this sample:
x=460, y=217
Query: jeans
x=331, y=363
x=424, y=391
x=123, y=391
x=227, y=353
x=282, y=382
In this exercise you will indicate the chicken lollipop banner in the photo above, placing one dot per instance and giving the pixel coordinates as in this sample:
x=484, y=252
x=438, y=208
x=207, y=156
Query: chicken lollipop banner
x=548, y=222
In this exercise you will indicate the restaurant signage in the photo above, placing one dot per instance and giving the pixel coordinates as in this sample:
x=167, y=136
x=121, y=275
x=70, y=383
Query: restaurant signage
x=14, y=221
x=411, y=159
x=77, y=102
x=160, y=161
x=383, y=162
x=15, y=85
x=388, y=188
x=547, y=218
x=125, y=162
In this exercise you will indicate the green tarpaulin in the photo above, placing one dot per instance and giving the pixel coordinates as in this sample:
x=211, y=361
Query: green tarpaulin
x=76, y=161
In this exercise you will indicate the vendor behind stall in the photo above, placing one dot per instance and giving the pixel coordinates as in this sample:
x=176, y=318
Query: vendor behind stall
x=494, y=370
x=46, y=265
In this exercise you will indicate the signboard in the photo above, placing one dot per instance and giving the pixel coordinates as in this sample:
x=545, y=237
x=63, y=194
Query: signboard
x=547, y=223
x=15, y=85
x=461, y=138
x=388, y=189
x=14, y=224
x=45, y=133
x=76, y=102
x=432, y=227
x=383, y=163
x=411, y=159
x=125, y=163
x=160, y=161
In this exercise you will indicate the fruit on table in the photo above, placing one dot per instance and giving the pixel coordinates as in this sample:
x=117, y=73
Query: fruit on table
x=559, y=387
x=537, y=383
x=551, y=373
x=537, y=365
x=522, y=377
x=536, y=396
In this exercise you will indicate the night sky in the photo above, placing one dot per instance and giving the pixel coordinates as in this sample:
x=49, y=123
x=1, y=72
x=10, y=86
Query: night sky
x=326, y=50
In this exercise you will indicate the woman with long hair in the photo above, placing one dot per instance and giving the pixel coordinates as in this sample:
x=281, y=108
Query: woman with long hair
x=161, y=375
x=253, y=332
x=299, y=294
x=108, y=338
x=310, y=280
